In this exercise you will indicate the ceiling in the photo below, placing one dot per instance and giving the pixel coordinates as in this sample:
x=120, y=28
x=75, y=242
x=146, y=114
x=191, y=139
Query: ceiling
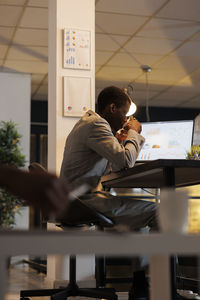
x=163, y=34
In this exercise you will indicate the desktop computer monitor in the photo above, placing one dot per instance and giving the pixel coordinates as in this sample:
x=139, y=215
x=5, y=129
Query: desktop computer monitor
x=167, y=140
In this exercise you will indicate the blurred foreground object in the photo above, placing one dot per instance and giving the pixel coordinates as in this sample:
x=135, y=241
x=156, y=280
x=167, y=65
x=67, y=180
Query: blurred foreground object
x=173, y=211
x=40, y=189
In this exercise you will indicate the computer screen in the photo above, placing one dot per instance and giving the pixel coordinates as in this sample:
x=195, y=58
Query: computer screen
x=167, y=140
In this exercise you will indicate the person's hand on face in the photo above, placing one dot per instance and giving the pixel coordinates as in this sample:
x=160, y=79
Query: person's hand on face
x=121, y=135
x=133, y=124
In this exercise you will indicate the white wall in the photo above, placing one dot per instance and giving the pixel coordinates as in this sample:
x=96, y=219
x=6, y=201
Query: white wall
x=73, y=14
x=76, y=14
x=15, y=96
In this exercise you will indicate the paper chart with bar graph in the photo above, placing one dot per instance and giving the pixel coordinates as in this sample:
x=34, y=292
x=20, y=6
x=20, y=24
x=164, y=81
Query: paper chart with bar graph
x=76, y=49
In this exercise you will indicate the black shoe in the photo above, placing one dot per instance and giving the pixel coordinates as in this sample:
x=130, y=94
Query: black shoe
x=140, y=287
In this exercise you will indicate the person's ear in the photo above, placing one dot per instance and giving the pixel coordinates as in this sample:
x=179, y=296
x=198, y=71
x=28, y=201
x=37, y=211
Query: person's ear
x=112, y=108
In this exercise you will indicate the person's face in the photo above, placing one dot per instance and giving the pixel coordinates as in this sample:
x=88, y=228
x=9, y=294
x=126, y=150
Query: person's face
x=117, y=116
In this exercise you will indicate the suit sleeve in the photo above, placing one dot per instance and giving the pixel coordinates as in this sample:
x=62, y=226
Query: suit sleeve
x=102, y=141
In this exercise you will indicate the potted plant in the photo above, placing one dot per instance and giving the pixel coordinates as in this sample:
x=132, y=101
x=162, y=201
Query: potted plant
x=10, y=153
x=194, y=153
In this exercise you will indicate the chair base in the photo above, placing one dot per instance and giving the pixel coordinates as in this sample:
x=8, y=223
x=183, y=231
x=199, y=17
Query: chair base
x=75, y=291
x=138, y=296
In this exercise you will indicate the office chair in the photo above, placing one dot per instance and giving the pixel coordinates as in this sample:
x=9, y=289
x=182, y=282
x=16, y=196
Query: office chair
x=78, y=214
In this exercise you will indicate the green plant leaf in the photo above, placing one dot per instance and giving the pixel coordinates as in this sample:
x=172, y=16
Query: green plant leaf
x=10, y=153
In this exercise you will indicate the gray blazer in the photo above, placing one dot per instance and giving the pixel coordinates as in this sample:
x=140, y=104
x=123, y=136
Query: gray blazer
x=91, y=148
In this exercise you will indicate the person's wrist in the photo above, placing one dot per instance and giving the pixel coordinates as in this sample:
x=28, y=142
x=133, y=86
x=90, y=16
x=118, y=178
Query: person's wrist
x=135, y=129
x=132, y=128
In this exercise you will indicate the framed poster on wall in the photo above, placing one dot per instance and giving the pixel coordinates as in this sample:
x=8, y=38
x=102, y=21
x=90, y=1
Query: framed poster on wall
x=77, y=96
x=76, y=49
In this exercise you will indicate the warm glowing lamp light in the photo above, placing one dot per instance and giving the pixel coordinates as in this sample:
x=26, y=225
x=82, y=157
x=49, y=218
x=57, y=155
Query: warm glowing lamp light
x=132, y=109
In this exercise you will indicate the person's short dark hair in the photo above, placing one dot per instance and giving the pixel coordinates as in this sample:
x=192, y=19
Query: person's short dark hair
x=112, y=94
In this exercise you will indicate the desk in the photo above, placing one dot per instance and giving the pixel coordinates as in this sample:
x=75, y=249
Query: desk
x=156, y=174
x=101, y=243
x=159, y=173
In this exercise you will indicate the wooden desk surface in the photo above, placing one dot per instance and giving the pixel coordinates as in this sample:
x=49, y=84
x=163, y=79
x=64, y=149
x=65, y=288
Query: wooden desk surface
x=152, y=174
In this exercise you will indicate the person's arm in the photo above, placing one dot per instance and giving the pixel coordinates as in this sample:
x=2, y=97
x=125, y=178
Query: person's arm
x=102, y=141
x=42, y=190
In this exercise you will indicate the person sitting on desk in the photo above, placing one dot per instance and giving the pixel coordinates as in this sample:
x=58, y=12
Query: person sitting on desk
x=93, y=150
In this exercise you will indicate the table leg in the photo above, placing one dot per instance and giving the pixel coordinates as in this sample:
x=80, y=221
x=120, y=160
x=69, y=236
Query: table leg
x=170, y=182
x=173, y=277
x=160, y=285
x=3, y=276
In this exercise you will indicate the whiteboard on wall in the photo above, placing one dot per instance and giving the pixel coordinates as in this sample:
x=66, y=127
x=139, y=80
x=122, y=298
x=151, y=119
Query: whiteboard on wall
x=76, y=49
x=77, y=96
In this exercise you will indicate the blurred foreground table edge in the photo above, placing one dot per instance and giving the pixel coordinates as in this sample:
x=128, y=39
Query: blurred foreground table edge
x=158, y=246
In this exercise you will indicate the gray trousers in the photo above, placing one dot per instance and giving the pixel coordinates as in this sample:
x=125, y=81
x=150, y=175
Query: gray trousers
x=133, y=213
